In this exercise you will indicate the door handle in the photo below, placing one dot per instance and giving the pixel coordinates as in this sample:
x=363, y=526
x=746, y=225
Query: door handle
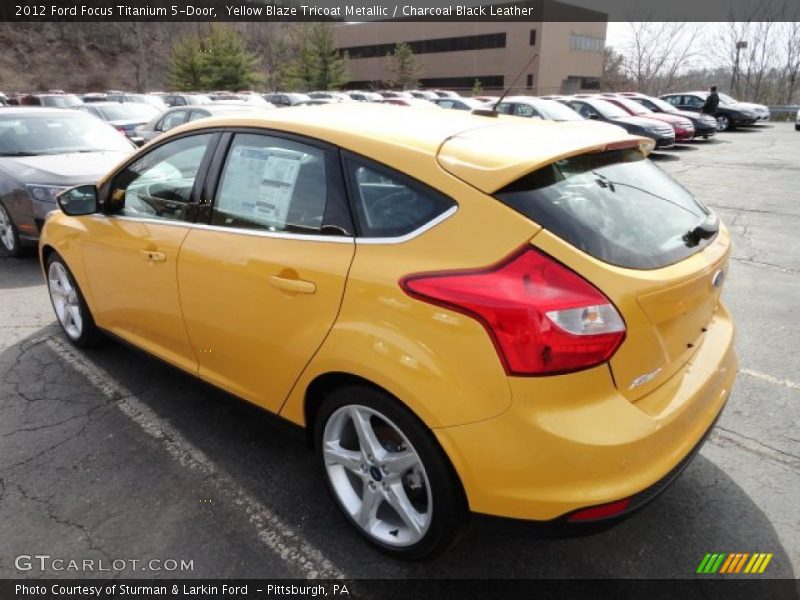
x=153, y=256
x=299, y=286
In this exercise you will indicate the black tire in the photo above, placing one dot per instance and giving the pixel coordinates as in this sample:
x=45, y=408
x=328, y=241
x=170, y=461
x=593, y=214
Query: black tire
x=449, y=513
x=89, y=334
x=724, y=123
x=10, y=242
x=797, y=127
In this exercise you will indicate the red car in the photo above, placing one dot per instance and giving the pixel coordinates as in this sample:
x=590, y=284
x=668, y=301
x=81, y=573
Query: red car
x=684, y=128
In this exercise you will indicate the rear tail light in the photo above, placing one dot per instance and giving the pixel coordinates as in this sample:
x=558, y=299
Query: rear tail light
x=542, y=317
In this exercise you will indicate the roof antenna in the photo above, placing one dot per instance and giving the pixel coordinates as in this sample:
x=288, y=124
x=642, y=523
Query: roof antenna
x=492, y=112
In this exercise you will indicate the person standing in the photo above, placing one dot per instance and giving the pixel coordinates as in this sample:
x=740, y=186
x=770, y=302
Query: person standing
x=712, y=102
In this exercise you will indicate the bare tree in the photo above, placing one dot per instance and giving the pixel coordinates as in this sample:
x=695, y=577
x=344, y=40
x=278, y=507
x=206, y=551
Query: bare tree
x=658, y=53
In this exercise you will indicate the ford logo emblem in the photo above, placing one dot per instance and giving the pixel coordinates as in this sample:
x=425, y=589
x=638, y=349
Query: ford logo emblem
x=718, y=278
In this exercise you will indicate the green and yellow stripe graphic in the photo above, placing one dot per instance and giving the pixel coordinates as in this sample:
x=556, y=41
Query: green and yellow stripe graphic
x=734, y=562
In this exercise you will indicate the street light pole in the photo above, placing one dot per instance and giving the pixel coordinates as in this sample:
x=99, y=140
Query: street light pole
x=740, y=45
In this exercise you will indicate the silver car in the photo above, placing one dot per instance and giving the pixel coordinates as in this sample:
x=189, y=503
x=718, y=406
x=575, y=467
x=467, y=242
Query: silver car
x=178, y=115
x=42, y=152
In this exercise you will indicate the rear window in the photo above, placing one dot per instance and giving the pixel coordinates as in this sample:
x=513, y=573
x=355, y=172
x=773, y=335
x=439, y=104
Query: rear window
x=616, y=206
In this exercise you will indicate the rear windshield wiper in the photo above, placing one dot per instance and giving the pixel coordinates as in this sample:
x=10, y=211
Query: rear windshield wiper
x=706, y=229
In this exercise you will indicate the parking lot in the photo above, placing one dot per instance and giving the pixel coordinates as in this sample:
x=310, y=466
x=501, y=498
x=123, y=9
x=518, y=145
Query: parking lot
x=110, y=454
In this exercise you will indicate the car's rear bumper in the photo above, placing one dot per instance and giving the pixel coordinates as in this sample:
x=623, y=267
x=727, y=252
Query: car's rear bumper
x=571, y=442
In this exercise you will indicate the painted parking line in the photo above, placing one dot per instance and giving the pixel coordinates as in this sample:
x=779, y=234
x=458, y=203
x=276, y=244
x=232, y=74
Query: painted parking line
x=769, y=378
x=273, y=532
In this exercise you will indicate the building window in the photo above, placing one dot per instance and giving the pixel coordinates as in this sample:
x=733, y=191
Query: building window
x=533, y=37
x=454, y=44
x=530, y=81
x=488, y=81
x=585, y=43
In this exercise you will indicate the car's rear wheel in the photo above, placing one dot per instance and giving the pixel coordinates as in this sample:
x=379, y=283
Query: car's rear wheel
x=388, y=474
x=69, y=305
x=723, y=123
x=9, y=236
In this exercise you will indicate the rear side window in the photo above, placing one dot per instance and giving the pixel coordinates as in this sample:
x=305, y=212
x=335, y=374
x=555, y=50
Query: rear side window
x=389, y=204
x=616, y=206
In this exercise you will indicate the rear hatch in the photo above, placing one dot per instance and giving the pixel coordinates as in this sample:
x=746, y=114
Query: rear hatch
x=633, y=232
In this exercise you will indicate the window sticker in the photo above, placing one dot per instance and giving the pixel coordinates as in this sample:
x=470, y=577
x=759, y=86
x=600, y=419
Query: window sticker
x=259, y=184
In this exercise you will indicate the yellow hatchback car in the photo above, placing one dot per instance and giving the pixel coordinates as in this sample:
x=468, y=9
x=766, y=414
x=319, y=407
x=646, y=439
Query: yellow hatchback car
x=468, y=314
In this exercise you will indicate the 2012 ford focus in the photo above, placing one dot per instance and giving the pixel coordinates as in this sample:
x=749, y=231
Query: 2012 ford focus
x=468, y=315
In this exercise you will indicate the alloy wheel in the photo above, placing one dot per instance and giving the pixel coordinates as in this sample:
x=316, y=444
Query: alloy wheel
x=377, y=476
x=723, y=123
x=7, y=230
x=66, y=303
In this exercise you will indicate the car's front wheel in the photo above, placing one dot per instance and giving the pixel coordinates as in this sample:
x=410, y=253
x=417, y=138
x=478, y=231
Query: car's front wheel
x=723, y=122
x=69, y=305
x=9, y=236
x=388, y=474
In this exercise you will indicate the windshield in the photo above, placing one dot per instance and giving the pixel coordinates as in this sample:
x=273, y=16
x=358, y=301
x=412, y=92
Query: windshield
x=128, y=110
x=616, y=206
x=556, y=111
x=634, y=107
x=198, y=99
x=65, y=101
x=725, y=99
x=607, y=109
x=22, y=135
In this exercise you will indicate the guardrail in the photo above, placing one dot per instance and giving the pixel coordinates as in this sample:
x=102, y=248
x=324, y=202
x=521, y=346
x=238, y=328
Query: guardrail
x=784, y=112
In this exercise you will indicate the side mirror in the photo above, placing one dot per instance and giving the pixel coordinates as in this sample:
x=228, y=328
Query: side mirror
x=79, y=200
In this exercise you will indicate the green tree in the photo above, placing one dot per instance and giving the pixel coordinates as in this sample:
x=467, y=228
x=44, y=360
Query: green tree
x=228, y=64
x=187, y=64
x=318, y=65
x=404, y=67
x=477, y=88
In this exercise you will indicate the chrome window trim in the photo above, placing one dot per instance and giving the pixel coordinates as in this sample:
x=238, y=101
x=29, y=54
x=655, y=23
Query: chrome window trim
x=411, y=235
x=293, y=236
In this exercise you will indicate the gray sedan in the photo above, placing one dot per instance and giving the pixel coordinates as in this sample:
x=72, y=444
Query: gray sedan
x=42, y=152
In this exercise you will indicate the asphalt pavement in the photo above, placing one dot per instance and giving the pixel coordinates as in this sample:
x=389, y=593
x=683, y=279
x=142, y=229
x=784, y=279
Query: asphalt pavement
x=109, y=455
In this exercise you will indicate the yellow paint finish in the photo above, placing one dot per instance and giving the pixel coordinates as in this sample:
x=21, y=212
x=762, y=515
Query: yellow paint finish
x=253, y=337
x=574, y=441
x=134, y=297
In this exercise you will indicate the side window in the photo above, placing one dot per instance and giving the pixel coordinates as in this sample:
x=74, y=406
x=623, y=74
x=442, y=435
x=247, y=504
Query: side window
x=524, y=110
x=159, y=184
x=180, y=101
x=693, y=101
x=504, y=108
x=584, y=110
x=389, y=204
x=197, y=114
x=173, y=119
x=272, y=184
x=674, y=100
x=445, y=103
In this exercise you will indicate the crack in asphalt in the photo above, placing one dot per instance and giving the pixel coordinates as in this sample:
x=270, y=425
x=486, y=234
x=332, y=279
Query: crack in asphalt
x=766, y=265
x=722, y=436
x=52, y=516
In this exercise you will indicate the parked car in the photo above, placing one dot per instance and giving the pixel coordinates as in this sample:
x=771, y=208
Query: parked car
x=459, y=103
x=44, y=151
x=283, y=99
x=94, y=97
x=51, y=100
x=186, y=99
x=683, y=127
x=125, y=117
x=316, y=102
x=361, y=96
x=760, y=110
x=446, y=94
x=532, y=107
x=705, y=126
x=178, y=115
x=600, y=109
x=414, y=102
x=424, y=94
x=797, y=121
x=435, y=373
x=728, y=116
x=396, y=94
x=153, y=101
x=335, y=96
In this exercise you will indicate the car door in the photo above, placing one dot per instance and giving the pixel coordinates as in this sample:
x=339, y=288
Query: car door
x=131, y=254
x=262, y=281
